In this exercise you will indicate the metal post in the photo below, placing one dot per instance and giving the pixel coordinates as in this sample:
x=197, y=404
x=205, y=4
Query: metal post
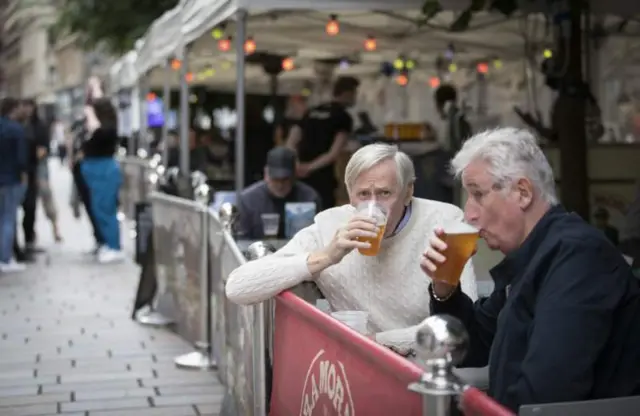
x=260, y=347
x=481, y=91
x=142, y=136
x=442, y=343
x=202, y=358
x=241, y=32
x=135, y=105
x=166, y=101
x=184, y=115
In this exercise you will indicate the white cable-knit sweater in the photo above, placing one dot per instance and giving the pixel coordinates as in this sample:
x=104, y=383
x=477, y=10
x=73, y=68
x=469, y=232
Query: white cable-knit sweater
x=391, y=287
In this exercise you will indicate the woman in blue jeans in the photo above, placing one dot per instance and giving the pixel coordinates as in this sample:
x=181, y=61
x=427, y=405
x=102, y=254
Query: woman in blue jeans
x=13, y=176
x=101, y=173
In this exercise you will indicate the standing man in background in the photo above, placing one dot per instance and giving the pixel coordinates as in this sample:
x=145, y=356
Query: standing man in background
x=37, y=136
x=320, y=138
x=13, y=178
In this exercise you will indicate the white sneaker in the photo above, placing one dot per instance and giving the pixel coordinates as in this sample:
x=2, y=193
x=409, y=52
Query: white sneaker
x=12, y=267
x=107, y=255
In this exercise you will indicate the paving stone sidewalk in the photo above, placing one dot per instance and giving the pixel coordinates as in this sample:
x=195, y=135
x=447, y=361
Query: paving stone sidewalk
x=68, y=345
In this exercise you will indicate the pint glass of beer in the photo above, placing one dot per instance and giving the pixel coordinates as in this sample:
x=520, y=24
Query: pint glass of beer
x=461, y=240
x=377, y=212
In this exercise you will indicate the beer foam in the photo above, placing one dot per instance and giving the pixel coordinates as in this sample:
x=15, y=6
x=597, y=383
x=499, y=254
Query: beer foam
x=460, y=228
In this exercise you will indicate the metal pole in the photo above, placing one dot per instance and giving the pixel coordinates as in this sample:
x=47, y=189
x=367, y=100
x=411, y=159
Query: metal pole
x=131, y=142
x=142, y=136
x=184, y=115
x=255, y=251
x=166, y=101
x=241, y=32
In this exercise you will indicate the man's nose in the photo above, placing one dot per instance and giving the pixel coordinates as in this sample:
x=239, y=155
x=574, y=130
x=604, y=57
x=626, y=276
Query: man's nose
x=470, y=214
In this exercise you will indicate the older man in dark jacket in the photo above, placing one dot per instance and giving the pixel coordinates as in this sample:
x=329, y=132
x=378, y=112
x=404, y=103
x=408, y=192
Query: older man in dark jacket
x=562, y=322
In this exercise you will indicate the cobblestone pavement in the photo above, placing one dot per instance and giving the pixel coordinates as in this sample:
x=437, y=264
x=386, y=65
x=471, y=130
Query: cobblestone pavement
x=68, y=345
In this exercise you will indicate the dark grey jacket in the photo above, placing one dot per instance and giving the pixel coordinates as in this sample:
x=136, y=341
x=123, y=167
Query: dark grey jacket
x=256, y=200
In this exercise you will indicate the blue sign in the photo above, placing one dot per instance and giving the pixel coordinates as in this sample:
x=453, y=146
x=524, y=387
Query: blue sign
x=155, y=113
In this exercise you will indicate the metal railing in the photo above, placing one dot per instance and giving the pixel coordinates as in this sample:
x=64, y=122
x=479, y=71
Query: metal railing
x=195, y=254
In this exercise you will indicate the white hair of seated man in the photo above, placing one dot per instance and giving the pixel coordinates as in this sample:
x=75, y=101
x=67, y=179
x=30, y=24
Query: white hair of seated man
x=511, y=153
x=373, y=154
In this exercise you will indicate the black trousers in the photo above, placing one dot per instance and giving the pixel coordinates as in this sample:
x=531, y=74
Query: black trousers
x=325, y=186
x=85, y=197
x=29, y=206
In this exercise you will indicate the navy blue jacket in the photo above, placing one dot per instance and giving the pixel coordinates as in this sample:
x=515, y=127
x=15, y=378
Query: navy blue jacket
x=563, y=323
x=13, y=152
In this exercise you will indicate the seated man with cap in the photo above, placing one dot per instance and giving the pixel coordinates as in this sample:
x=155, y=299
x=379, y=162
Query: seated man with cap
x=271, y=195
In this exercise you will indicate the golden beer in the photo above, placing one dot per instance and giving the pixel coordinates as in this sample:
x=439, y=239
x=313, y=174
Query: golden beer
x=375, y=242
x=462, y=241
x=377, y=212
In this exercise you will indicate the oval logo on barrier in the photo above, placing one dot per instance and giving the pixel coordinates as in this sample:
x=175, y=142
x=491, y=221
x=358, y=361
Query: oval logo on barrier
x=326, y=389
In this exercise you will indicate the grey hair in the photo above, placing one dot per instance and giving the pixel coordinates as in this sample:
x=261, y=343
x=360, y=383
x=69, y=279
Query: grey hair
x=373, y=154
x=511, y=153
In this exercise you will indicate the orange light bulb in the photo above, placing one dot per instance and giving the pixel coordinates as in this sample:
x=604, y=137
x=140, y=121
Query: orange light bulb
x=288, y=64
x=176, y=64
x=483, y=68
x=402, y=80
x=333, y=27
x=224, y=44
x=370, y=44
x=434, y=82
x=249, y=46
x=189, y=77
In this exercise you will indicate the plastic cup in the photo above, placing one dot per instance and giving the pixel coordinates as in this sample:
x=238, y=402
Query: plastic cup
x=356, y=320
x=377, y=212
x=270, y=224
x=462, y=241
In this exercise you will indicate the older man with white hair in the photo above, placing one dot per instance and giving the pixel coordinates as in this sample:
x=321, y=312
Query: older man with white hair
x=562, y=322
x=391, y=286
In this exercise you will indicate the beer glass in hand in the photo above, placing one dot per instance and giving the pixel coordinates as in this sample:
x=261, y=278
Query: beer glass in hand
x=461, y=240
x=377, y=212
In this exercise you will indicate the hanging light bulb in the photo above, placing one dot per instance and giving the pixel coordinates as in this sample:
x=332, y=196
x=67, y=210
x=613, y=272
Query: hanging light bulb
x=482, y=67
x=151, y=96
x=410, y=64
x=370, y=44
x=175, y=64
x=217, y=33
x=402, y=80
x=497, y=64
x=434, y=82
x=288, y=64
x=333, y=27
x=224, y=44
x=548, y=53
x=249, y=46
x=453, y=67
x=398, y=64
x=189, y=77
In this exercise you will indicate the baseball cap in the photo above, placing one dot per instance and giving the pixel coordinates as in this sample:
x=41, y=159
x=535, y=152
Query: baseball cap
x=281, y=163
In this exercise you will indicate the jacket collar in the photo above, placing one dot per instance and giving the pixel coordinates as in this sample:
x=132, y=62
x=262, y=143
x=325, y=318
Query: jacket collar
x=514, y=263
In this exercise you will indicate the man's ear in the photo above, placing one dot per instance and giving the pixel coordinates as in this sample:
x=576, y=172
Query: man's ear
x=408, y=194
x=525, y=190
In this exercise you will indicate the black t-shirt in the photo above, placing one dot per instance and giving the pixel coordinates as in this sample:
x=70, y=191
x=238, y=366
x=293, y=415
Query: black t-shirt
x=285, y=124
x=320, y=125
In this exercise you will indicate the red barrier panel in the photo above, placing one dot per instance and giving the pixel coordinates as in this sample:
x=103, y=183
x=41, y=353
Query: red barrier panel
x=323, y=368
x=476, y=403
